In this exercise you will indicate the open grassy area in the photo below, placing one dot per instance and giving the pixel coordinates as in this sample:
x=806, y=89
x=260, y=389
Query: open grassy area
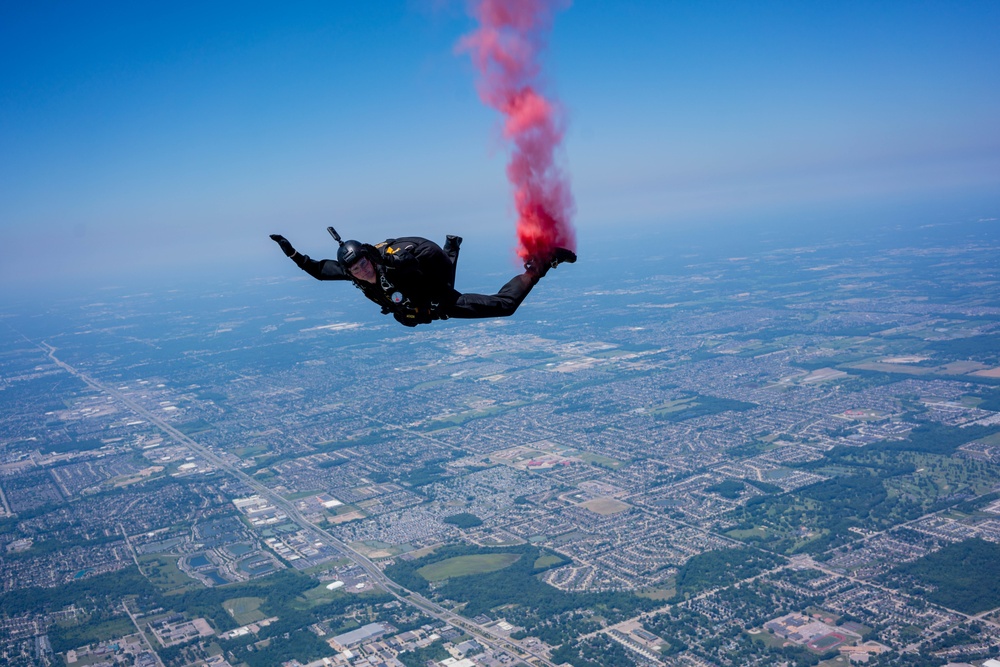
x=937, y=476
x=469, y=415
x=249, y=452
x=768, y=639
x=606, y=506
x=991, y=439
x=193, y=427
x=462, y=566
x=426, y=551
x=299, y=495
x=245, y=610
x=430, y=384
x=658, y=594
x=545, y=561
x=825, y=615
x=376, y=549
x=751, y=533
x=318, y=596
x=672, y=406
x=601, y=461
x=162, y=572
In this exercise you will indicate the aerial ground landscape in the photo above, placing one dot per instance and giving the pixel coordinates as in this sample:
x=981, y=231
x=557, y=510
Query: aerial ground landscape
x=747, y=416
x=790, y=456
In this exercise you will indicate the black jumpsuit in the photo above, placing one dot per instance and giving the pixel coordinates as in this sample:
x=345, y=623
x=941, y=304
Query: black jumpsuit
x=415, y=282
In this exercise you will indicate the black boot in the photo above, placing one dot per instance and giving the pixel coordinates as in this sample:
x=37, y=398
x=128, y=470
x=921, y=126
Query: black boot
x=451, y=246
x=539, y=266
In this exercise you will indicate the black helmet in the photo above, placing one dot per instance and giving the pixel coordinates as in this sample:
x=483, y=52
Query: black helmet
x=350, y=252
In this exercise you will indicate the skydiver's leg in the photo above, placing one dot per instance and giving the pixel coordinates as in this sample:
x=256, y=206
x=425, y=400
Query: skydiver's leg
x=451, y=246
x=501, y=304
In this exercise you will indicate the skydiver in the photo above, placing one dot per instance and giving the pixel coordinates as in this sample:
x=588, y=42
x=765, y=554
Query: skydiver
x=414, y=279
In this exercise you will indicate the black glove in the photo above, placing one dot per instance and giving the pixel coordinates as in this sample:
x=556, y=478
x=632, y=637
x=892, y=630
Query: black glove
x=283, y=243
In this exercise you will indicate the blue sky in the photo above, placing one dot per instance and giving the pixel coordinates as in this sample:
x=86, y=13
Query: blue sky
x=147, y=138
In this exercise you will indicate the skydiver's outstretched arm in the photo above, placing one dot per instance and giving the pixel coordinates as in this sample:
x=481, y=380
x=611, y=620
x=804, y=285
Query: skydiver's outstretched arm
x=322, y=269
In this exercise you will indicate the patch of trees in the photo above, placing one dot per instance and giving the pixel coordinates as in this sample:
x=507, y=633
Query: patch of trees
x=597, y=651
x=713, y=569
x=518, y=584
x=706, y=405
x=71, y=446
x=748, y=450
x=960, y=576
x=937, y=439
x=766, y=487
x=855, y=494
x=727, y=488
x=49, y=546
x=464, y=520
x=970, y=506
x=182, y=654
x=430, y=473
x=830, y=507
x=279, y=590
x=873, y=459
x=301, y=645
x=540, y=608
x=83, y=593
x=422, y=656
x=969, y=634
x=101, y=625
x=978, y=348
x=289, y=638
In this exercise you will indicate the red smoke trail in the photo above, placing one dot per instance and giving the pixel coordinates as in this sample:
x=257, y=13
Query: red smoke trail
x=504, y=49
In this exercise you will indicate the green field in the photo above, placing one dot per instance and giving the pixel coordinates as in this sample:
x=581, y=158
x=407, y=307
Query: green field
x=600, y=461
x=748, y=534
x=462, y=566
x=162, y=572
x=317, y=596
x=196, y=426
x=991, y=439
x=253, y=450
x=468, y=415
x=245, y=610
x=690, y=407
x=299, y=495
x=768, y=639
x=547, y=560
x=658, y=594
